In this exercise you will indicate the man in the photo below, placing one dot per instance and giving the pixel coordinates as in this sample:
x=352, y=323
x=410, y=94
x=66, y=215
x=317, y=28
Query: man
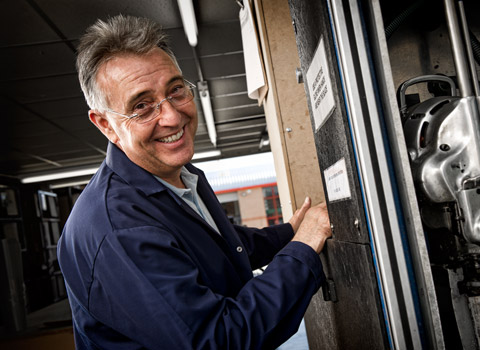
x=149, y=258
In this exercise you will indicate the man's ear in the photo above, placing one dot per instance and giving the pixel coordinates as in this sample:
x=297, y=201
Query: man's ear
x=102, y=123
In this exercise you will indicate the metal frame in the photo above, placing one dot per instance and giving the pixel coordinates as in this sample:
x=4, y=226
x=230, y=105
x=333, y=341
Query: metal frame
x=411, y=213
x=382, y=207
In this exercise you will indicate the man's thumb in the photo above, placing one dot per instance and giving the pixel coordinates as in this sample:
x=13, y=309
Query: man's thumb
x=306, y=204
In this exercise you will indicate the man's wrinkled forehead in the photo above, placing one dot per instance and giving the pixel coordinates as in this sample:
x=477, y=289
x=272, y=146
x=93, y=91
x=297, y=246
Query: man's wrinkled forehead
x=131, y=70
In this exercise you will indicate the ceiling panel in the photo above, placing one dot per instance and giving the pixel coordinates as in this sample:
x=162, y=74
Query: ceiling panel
x=55, y=108
x=36, y=61
x=48, y=88
x=16, y=17
x=222, y=65
x=88, y=11
x=220, y=37
x=216, y=11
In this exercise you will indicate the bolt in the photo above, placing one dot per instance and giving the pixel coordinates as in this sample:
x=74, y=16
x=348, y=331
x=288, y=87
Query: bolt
x=288, y=129
x=357, y=224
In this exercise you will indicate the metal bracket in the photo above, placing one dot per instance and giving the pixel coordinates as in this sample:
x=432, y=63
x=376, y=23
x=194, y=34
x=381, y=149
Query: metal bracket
x=299, y=75
x=329, y=291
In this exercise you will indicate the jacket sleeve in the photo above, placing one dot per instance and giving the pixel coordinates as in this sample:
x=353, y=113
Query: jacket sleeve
x=263, y=244
x=167, y=304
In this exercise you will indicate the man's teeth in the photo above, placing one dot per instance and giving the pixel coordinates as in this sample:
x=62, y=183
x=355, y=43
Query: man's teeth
x=172, y=138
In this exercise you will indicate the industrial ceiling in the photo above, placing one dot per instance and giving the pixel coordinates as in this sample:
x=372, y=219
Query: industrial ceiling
x=45, y=127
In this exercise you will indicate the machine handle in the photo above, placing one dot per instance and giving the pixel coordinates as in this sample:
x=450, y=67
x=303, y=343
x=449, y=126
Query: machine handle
x=422, y=79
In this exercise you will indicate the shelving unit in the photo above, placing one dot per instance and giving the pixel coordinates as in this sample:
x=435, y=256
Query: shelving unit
x=10, y=216
x=48, y=213
x=12, y=243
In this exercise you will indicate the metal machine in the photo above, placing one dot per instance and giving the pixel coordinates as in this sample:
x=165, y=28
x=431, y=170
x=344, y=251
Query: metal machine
x=442, y=135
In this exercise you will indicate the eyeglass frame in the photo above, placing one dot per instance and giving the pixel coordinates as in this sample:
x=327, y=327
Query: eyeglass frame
x=189, y=85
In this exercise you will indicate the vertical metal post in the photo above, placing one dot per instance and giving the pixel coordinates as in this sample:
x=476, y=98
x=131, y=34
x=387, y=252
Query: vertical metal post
x=458, y=49
x=471, y=61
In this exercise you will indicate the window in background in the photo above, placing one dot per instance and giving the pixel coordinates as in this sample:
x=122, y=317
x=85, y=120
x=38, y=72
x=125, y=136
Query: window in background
x=272, y=205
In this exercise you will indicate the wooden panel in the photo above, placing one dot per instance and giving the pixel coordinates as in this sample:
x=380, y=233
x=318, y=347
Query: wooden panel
x=286, y=108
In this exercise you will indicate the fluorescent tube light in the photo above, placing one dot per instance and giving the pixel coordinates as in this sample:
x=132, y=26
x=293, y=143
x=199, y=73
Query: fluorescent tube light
x=264, y=141
x=59, y=175
x=68, y=184
x=187, y=13
x=92, y=170
x=207, y=111
x=208, y=154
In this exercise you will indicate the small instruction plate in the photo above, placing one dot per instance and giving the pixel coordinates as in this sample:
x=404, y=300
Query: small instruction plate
x=337, y=181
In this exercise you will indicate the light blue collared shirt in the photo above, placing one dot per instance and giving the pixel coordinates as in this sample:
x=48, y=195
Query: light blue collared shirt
x=190, y=195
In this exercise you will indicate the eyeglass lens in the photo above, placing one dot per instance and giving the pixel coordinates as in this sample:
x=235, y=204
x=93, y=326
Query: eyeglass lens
x=178, y=99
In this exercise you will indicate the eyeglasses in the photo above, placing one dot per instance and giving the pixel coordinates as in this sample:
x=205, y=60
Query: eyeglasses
x=143, y=112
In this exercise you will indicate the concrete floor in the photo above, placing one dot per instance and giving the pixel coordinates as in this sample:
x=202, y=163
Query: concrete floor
x=47, y=329
x=56, y=313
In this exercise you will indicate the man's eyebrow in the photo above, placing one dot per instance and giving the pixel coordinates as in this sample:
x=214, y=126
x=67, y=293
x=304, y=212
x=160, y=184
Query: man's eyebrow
x=135, y=98
x=139, y=95
x=175, y=78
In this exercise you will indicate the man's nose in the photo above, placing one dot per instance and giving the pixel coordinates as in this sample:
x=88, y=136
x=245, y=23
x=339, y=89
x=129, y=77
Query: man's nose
x=169, y=115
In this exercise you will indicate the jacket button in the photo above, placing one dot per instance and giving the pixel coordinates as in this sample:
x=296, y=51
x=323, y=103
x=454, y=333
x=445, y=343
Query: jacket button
x=239, y=249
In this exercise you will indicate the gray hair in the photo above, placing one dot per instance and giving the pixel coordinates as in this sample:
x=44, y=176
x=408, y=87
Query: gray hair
x=105, y=40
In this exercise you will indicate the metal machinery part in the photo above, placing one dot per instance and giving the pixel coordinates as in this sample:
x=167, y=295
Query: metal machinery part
x=442, y=135
x=443, y=141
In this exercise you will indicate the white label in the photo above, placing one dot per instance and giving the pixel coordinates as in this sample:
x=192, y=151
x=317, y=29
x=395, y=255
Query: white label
x=337, y=181
x=320, y=86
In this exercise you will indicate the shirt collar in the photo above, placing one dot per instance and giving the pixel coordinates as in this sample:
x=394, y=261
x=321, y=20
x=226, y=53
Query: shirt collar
x=190, y=181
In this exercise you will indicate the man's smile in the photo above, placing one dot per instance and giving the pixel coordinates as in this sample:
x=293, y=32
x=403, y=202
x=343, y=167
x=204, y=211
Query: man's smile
x=172, y=138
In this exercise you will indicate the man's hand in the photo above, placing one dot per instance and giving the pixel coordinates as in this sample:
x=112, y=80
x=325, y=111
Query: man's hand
x=315, y=227
x=299, y=214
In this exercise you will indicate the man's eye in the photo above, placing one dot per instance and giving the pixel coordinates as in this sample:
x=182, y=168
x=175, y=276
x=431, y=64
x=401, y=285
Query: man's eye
x=141, y=107
x=177, y=90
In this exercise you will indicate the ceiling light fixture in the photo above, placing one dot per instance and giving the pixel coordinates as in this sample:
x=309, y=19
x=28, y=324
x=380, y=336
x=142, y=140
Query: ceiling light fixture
x=187, y=13
x=69, y=184
x=92, y=170
x=264, y=141
x=207, y=111
x=59, y=175
x=207, y=154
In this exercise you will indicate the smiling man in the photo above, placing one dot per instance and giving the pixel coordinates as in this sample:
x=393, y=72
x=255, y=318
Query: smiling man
x=149, y=258
x=134, y=83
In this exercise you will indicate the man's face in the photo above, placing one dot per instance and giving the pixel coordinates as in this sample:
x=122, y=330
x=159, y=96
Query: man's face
x=161, y=146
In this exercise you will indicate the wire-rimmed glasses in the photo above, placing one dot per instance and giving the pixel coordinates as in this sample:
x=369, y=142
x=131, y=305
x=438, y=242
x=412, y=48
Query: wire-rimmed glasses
x=144, y=112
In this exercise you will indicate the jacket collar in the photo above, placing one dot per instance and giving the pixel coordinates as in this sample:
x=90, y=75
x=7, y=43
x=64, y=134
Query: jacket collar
x=140, y=178
x=130, y=172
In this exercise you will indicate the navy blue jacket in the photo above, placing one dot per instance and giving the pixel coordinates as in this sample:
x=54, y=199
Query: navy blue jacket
x=143, y=270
